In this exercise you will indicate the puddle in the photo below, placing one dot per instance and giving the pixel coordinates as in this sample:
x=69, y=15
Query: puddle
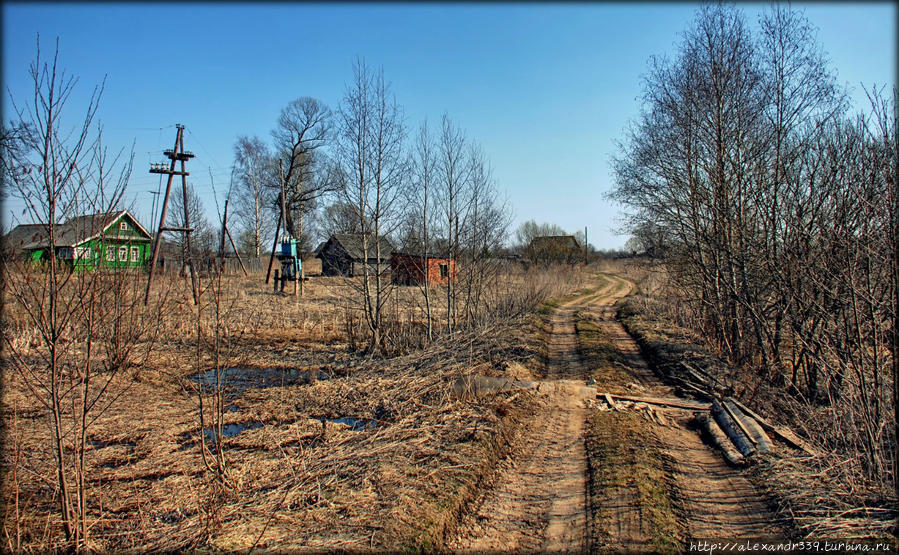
x=228, y=430
x=231, y=430
x=355, y=424
x=239, y=379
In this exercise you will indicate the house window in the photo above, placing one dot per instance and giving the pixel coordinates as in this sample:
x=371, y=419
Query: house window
x=123, y=254
x=110, y=254
x=123, y=226
x=444, y=270
x=82, y=253
x=135, y=253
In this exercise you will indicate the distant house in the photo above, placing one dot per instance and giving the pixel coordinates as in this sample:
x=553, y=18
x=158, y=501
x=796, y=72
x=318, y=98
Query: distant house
x=411, y=269
x=342, y=255
x=554, y=248
x=106, y=240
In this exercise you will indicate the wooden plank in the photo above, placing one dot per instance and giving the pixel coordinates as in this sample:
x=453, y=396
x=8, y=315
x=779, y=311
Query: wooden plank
x=677, y=403
x=736, y=436
x=609, y=400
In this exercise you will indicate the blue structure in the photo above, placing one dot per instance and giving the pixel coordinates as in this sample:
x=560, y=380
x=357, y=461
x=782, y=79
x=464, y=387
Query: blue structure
x=291, y=264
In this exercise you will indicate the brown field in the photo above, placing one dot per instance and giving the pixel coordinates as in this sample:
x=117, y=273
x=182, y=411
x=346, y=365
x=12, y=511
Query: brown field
x=297, y=476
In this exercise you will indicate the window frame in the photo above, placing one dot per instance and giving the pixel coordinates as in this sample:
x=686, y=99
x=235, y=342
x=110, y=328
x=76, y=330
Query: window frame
x=123, y=253
x=135, y=253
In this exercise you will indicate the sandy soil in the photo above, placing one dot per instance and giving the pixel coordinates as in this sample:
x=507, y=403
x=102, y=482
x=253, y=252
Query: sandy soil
x=539, y=497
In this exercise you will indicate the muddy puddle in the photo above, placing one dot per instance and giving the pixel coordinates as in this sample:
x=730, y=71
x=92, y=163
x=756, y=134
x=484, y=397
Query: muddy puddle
x=355, y=424
x=239, y=379
x=209, y=434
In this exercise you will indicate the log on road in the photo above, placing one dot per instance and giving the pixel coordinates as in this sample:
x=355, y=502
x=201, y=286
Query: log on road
x=750, y=426
x=780, y=431
x=731, y=429
x=719, y=438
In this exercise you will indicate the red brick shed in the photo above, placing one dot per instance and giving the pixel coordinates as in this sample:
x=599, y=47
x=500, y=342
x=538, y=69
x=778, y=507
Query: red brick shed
x=409, y=269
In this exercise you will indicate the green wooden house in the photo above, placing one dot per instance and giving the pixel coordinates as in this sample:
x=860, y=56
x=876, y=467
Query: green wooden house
x=107, y=240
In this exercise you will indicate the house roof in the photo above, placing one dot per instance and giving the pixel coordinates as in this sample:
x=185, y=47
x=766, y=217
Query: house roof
x=73, y=232
x=351, y=243
x=25, y=236
x=555, y=242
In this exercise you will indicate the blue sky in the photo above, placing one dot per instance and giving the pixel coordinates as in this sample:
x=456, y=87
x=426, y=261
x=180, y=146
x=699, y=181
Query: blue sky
x=547, y=89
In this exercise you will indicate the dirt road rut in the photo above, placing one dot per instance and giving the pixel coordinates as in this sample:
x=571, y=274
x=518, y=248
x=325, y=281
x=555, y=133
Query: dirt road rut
x=538, y=499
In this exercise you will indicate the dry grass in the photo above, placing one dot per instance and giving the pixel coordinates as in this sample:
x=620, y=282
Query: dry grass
x=822, y=496
x=296, y=483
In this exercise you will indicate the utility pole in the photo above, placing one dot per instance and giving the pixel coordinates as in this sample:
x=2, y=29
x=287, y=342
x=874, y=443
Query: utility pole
x=175, y=154
x=585, y=245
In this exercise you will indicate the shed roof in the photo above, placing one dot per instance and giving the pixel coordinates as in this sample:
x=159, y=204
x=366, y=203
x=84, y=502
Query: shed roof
x=351, y=243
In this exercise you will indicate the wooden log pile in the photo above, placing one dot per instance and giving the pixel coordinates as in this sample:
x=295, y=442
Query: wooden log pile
x=737, y=431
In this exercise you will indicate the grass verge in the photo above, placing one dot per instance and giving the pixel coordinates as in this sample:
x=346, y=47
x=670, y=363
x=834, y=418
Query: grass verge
x=604, y=362
x=629, y=472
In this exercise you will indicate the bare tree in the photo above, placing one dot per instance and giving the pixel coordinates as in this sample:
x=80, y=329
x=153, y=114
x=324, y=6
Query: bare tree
x=89, y=323
x=303, y=129
x=424, y=176
x=340, y=217
x=203, y=240
x=487, y=223
x=454, y=173
x=770, y=202
x=370, y=154
x=253, y=169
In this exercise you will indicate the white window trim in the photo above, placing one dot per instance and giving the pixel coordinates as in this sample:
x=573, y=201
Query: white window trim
x=135, y=254
x=123, y=226
x=110, y=253
x=123, y=254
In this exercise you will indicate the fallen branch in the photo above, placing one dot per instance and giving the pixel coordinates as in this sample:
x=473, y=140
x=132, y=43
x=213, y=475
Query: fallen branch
x=699, y=375
x=694, y=389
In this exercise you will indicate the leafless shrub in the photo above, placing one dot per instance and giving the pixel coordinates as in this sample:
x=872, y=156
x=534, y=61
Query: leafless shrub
x=771, y=201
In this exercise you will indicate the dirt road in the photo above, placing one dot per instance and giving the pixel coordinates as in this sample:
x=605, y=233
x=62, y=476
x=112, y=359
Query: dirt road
x=538, y=498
